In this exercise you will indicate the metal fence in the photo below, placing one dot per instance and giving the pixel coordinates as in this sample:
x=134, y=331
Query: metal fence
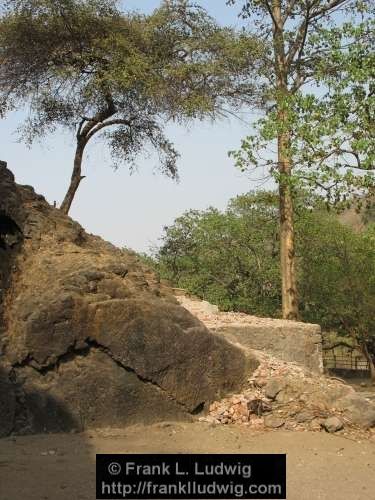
x=350, y=361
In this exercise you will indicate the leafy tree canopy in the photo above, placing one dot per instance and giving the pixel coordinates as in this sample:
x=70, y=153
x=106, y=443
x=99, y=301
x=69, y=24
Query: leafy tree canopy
x=231, y=258
x=85, y=65
x=317, y=129
x=328, y=106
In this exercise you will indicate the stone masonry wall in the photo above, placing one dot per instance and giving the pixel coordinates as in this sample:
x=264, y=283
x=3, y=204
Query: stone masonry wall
x=287, y=340
x=301, y=343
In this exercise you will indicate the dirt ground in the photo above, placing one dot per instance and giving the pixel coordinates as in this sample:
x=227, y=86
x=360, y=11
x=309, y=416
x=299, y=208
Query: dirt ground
x=62, y=466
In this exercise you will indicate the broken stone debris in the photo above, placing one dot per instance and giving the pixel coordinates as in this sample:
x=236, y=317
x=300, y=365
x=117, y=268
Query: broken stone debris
x=281, y=395
x=332, y=424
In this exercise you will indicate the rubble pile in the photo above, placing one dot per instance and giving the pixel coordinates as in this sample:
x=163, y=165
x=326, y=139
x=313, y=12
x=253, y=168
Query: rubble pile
x=210, y=315
x=285, y=395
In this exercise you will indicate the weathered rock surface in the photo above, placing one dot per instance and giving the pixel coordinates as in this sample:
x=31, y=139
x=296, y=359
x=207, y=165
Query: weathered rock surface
x=274, y=386
x=358, y=409
x=273, y=421
x=88, y=336
x=332, y=424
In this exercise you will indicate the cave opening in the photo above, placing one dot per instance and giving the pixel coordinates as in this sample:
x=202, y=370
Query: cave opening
x=10, y=238
x=10, y=233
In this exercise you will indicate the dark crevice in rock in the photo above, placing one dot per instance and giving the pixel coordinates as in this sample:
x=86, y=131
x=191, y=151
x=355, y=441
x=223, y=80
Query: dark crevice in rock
x=71, y=353
x=91, y=345
x=10, y=233
x=198, y=409
x=10, y=241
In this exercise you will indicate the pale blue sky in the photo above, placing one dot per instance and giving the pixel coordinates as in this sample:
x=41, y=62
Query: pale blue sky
x=132, y=210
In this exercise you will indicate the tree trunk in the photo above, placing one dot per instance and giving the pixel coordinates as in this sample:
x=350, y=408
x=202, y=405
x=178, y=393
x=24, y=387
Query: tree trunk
x=369, y=360
x=75, y=179
x=287, y=251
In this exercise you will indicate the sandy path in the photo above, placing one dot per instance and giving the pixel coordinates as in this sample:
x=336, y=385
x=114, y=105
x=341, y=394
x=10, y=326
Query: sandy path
x=319, y=465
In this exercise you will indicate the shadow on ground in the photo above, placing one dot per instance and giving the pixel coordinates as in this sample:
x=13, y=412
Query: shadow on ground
x=42, y=466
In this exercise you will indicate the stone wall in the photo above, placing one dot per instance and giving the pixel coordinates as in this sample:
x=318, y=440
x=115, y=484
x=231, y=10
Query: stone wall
x=298, y=342
x=287, y=340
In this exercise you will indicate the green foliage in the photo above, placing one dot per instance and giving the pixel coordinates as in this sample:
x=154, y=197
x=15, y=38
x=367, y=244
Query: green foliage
x=232, y=259
x=337, y=277
x=215, y=256
x=327, y=106
x=85, y=65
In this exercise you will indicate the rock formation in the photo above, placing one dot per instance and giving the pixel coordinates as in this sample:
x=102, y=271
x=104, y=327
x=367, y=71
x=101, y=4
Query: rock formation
x=88, y=336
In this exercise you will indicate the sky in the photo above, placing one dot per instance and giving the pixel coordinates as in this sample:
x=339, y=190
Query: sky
x=131, y=210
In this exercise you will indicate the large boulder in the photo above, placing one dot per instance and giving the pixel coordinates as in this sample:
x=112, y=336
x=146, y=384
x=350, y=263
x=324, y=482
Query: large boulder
x=88, y=335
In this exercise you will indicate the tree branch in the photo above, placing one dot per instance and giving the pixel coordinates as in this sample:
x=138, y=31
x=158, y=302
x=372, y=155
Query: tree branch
x=108, y=123
x=331, y=5
x=270, y=11
x=299, y=42
x=84, y=119
x=98, y=118
x=289, y=10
